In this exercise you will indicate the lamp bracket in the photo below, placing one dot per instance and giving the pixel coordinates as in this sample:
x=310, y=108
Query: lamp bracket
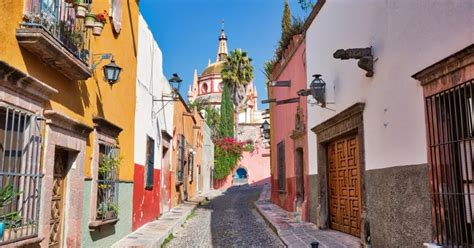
x=364, y=55
x=100, y=57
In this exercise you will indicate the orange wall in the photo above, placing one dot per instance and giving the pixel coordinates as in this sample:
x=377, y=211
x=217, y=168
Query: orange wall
x=183, y=124
x=82, y=100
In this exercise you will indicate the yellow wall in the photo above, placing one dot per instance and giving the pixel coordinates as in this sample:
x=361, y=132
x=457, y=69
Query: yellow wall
x=82, y=100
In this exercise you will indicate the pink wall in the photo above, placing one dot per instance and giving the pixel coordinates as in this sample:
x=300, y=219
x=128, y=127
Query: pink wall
x=257, y=165
x=283, y=124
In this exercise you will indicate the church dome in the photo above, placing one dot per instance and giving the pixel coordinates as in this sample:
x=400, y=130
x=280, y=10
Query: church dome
x=214, y=68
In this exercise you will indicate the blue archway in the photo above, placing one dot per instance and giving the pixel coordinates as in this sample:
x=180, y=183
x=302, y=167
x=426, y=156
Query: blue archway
x=241, y=173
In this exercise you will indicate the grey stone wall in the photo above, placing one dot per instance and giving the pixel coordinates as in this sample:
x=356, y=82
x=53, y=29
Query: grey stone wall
x=399, y=206
x=313, y=197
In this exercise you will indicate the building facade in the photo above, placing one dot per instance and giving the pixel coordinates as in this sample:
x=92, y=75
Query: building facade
x=68, y=122
x=187, y=143
x=289, y=142
x=153, y=132
x=368, y=164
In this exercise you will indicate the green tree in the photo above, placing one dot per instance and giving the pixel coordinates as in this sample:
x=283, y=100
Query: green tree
x=226, y=124
x=237, y=72
x=306, y=4
x=196, y=104
x=213, y=118
x=286, y=20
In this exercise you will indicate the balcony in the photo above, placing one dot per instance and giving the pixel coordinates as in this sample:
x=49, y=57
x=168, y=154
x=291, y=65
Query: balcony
x=51, y=31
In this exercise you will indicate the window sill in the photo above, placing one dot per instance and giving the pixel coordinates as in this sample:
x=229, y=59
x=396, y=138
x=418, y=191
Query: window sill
x=98, y=223
x=27, y=242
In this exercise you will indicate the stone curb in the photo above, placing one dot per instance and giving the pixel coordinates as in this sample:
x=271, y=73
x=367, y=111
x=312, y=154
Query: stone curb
x=151, y=235
x=269, y=223
x=299, y=234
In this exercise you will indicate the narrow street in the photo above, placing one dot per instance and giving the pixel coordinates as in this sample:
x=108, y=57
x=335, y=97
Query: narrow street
x=228, y=220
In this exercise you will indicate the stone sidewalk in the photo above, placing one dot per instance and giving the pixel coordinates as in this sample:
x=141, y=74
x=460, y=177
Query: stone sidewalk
x=154, y=233
x=297, y=233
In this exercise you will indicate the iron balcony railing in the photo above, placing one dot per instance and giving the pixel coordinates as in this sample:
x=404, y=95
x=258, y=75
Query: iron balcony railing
x=20, y=174
x=58, y=18
x=108, y=183
x=450, y=118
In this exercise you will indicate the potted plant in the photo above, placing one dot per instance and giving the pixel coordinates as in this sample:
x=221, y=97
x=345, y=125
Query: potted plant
x=81, y=8
x=100, y=20
x=90, y=20
x=9, y=219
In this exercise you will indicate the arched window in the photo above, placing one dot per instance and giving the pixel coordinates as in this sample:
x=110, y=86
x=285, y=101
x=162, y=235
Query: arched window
x=205, y=88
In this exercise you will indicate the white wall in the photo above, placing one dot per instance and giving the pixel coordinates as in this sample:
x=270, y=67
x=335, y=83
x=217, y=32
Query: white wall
x=151, y=83
x=406, y=36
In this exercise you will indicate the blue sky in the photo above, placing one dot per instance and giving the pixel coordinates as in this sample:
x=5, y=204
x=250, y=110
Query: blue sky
x=187, y=32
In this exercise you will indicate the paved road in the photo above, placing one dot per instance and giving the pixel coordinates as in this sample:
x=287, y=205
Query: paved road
x=229, y=220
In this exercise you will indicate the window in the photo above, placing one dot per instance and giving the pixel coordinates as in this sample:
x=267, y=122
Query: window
x=205, y=88
x=451, y=150
x=20, y=174
x=107, y=183
x=150, y=163
x=191, y=166
x=181, y=159
x=281, y=166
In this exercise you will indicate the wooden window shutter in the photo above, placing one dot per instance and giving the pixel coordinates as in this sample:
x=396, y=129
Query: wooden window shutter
x=281, y=165
x=150, y=161
x=116, y=14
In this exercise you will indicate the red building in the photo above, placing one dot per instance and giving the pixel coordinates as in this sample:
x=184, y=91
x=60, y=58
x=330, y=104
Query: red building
x=289, y=144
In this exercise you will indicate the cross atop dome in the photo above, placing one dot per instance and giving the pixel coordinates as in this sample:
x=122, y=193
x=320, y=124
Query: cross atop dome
x=222, y=49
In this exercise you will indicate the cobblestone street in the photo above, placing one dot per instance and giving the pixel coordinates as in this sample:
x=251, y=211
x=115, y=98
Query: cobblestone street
x=228, y=220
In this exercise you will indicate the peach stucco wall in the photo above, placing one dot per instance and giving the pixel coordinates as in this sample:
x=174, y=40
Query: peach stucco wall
x=283, y=123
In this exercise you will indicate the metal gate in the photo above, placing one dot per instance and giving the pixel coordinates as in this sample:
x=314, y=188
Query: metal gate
x=20, y=173
x=450, y=130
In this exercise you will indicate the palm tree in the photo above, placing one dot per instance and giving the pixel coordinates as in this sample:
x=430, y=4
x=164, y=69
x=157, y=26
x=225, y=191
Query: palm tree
x=236, y=74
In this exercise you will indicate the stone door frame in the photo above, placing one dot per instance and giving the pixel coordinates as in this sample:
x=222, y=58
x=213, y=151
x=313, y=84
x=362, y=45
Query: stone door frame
x=347, y=122
x=66, y=133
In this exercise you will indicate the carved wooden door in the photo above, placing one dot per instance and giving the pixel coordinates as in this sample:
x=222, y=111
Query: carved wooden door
x=57, y=200
x=344, y=186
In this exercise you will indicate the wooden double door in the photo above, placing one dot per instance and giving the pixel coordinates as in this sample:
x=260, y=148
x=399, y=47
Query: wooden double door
x=344, y=182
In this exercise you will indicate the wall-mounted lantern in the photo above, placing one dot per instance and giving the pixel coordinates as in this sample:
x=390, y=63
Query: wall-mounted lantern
x=265, y=129
x=112, y=72
x=317, y=89
x=175, y=82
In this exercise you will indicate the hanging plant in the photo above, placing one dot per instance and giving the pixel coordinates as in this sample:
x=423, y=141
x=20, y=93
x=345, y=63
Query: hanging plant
x=81, y=8
x=100, y=21
x=90, y=20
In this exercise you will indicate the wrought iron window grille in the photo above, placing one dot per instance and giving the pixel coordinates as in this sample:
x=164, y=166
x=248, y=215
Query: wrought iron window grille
x=450, y=118
x=20, y=173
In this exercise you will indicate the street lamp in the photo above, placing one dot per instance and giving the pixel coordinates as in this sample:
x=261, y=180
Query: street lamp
x=265, y=129
x=175, y=82
x=317, y=89
x=112, y=72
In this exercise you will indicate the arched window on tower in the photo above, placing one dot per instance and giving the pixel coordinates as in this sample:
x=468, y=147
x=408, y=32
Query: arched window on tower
x=205, y=88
